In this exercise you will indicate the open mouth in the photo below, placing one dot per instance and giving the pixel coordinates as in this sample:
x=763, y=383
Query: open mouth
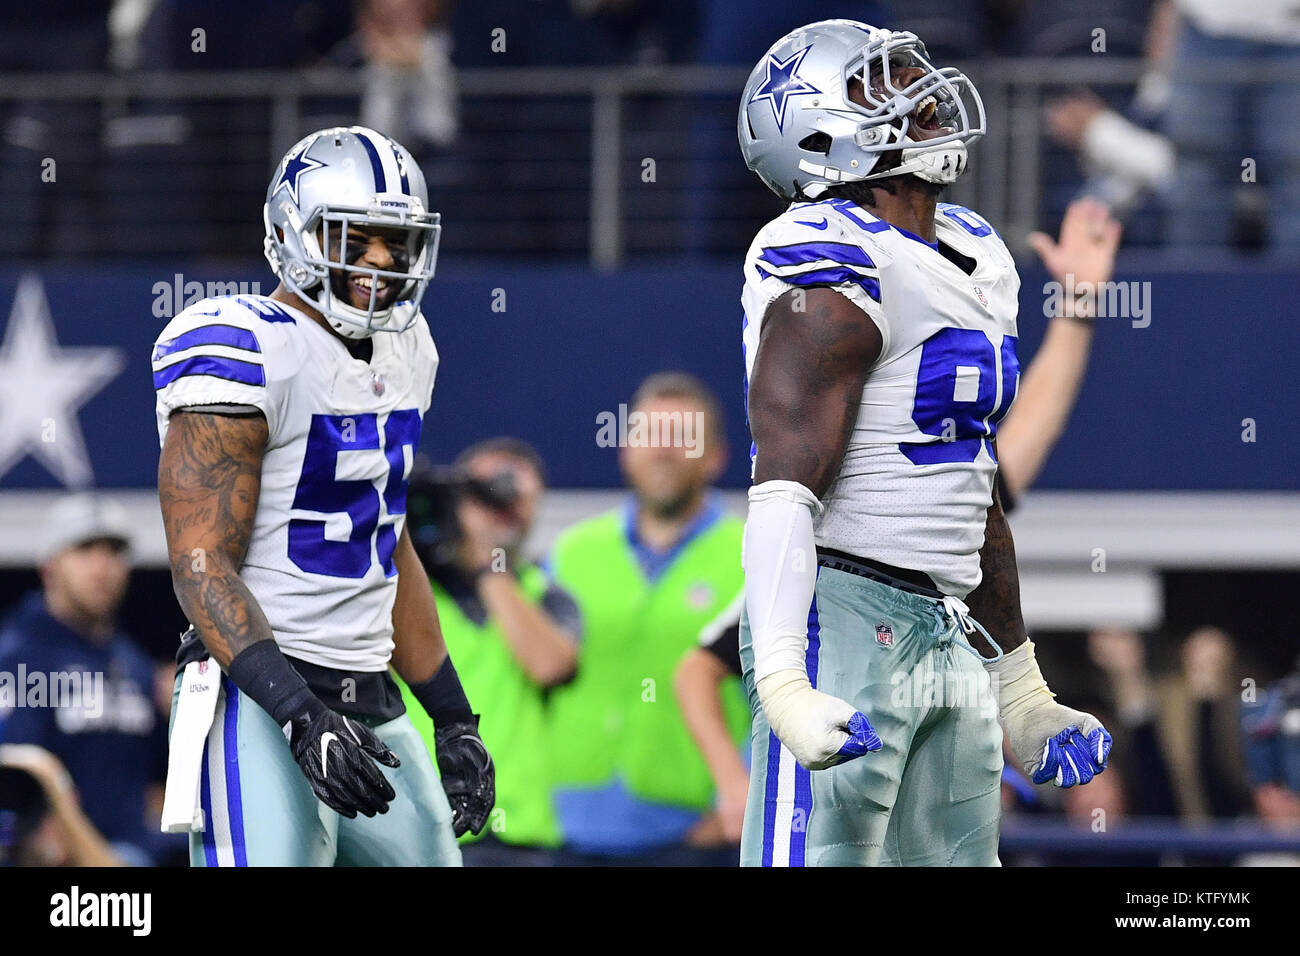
x=926, y=116
x=361, y=286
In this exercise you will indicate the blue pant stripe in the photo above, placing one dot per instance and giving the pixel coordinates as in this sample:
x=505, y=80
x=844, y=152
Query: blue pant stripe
x=234, y=799
x=769, y=796
x=802, y=778
x=205, y=799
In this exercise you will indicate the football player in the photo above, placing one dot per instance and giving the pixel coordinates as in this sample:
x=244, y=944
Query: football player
x=288, y=425
x=882, y=634
x=1044, y=400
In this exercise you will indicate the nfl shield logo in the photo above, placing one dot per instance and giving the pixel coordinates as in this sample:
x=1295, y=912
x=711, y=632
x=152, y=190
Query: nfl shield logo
x=885, y=635
x=376, y=383
x=203, y=667
x=979, y=294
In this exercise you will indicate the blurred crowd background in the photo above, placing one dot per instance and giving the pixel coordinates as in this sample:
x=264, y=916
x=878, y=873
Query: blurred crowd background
x=521, y=111
x=565, y=140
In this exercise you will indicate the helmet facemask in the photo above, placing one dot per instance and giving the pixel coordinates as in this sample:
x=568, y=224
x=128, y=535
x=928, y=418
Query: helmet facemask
x=322, y=267
x=928, y=119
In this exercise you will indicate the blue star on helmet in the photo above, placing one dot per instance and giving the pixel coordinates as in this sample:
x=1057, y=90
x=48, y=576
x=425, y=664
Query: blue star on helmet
x=294, y=167
x=781, y=84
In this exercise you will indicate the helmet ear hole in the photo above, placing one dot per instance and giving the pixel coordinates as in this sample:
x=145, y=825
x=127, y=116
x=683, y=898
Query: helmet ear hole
x=819, y=143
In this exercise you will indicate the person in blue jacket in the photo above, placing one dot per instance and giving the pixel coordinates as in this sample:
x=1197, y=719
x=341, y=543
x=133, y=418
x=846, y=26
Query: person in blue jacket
x=73, y=683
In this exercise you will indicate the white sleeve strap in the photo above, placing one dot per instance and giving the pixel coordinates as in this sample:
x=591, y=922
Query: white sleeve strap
x=780, y=559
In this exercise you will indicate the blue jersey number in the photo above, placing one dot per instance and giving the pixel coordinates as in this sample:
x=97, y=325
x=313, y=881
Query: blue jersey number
x=319, y=490
x=957, y=395
x=967, y=219
x=266, y=310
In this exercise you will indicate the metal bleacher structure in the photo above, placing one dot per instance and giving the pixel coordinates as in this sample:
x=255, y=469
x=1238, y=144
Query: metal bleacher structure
x=164, y=163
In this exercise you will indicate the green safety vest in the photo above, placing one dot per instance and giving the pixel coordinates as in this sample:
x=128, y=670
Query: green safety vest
x=619, y=717
x=512, y=725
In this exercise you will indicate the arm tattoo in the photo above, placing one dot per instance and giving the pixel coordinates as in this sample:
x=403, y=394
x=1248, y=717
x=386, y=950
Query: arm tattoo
x=209, y=478
x=996, y=602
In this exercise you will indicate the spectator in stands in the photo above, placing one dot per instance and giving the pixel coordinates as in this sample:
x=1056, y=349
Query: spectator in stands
x=41, y=822
x=512, y=632
x=78, y=686
x=1125, y=162
x=1217, y=124
x=1182, y=732
x=1121, y=657
x=1202, y=721
x=410, y=83
x=631, y=787
x=1129, y=165
x=1271, y=724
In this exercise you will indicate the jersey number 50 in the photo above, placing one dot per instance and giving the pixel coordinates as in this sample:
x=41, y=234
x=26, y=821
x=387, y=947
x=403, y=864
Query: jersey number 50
x=957, y=395
x=320, y=490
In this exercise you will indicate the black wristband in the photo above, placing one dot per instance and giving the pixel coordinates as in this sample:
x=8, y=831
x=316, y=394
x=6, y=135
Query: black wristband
x=443, y=698
x=264, y=674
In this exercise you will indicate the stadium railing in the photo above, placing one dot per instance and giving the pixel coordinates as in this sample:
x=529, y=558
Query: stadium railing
x=1157, y=837
x=603, y=163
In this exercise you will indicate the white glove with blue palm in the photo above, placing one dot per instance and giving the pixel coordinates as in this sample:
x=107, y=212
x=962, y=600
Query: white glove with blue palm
x=1052, y=742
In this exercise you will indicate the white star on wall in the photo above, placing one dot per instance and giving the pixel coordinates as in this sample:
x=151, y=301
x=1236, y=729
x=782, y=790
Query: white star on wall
x=42, y=386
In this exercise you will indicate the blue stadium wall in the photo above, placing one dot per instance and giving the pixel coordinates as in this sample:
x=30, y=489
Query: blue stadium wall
x=1162, y=407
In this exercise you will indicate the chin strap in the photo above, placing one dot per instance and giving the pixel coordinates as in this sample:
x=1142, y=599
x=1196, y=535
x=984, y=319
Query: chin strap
x=934, y=164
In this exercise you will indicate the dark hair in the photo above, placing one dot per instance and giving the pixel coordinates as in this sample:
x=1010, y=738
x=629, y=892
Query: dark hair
x=516, y=448
x=682, y=385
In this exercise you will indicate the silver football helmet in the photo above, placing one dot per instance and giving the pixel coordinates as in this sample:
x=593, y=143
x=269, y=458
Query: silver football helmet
x=332, y=180
x=801, y=133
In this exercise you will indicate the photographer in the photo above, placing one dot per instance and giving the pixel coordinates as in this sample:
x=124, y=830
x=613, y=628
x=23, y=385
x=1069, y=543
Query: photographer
x=512, y=632
x=41, y=822
x=106, y=730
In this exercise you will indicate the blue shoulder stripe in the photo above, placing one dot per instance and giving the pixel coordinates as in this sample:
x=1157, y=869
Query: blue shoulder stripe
x=800, y=252
x=230, y=335
x=836, y=276
x=232, y=370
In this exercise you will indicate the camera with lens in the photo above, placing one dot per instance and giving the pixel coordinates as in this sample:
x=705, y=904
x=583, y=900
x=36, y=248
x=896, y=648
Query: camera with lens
x=431, y=517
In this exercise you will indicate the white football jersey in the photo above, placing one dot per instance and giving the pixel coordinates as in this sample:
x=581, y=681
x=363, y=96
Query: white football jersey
x=917, y=475
x=343, y=436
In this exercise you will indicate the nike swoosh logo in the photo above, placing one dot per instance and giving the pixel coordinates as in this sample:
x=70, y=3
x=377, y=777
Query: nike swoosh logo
x=815, y=225
x=324, y=751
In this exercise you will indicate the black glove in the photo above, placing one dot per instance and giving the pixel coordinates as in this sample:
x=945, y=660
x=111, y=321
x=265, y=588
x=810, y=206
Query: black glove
x=468, y=776
x=338, y=756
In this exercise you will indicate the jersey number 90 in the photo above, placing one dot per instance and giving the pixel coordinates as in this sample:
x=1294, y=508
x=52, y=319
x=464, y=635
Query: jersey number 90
x=957, y=395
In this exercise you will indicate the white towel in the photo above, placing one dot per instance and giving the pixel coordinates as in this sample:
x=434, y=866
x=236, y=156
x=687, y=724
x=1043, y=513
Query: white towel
x=195, y=709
